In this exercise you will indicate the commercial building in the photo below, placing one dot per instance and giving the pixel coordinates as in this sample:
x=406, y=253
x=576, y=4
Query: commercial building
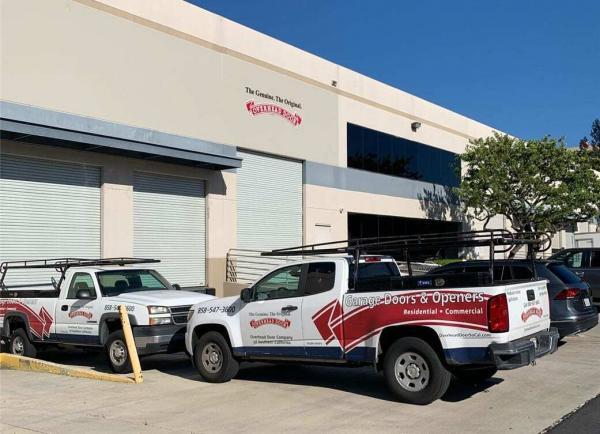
x=158, y=129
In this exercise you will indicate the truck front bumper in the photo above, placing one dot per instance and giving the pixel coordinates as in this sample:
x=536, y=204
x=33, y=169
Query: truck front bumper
x=524, y=351
x=159, y=339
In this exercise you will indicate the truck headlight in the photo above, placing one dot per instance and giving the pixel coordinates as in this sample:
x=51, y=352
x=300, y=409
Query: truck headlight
x=160, y=320
x=190, y=314
x=152, y=310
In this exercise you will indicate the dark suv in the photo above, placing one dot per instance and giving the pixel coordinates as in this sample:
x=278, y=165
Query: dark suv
x=571, y=310
x=585, y=262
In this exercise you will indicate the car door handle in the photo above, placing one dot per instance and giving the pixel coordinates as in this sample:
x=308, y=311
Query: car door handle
x=64, y=307
x=288, y=308
x=580, y=273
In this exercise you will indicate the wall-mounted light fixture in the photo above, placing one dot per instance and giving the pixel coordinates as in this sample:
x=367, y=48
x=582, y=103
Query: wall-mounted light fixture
x=415, y=126
x=334, y=83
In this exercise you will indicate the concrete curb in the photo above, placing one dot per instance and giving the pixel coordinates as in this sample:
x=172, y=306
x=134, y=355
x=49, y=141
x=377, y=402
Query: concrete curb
x=21, y=363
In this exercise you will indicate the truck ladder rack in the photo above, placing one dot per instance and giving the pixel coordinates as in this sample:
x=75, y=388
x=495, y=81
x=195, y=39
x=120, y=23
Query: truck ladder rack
x=497, y=240
x=63, y=264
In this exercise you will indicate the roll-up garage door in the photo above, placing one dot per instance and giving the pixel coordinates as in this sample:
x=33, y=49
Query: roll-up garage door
x=269, y=202
x=169, y=224
x=48, y=209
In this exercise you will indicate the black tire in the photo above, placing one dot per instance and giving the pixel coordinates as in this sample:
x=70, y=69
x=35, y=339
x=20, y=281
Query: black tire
x=117, y=354
x=475, y=375
x=19, y=344
x=213, y=358
x=421, y=378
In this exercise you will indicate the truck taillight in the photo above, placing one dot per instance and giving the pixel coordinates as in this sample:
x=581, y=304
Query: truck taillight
x=567, y=294
x=497, y=310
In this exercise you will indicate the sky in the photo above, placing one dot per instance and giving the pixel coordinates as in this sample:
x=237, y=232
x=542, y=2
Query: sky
x=526, y=67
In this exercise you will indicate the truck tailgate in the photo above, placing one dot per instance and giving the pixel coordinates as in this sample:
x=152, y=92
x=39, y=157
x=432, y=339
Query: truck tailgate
x=529, y=308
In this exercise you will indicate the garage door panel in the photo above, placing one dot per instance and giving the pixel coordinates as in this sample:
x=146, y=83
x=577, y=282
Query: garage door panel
x=170, y=225
x=269, y=202
x=48, y=209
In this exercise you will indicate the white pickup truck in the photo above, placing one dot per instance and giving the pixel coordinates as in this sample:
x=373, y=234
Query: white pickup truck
x=81, y=309
x=417, y=330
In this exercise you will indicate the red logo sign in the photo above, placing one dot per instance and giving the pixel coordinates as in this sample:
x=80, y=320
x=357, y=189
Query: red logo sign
x=537, y=311
x=272, y=109
x=39, y=323
x=256, y=323
x=83, y=313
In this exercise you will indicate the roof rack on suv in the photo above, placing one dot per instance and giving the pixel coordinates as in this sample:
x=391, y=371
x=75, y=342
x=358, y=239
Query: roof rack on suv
x=497, y=240
x=63, y=264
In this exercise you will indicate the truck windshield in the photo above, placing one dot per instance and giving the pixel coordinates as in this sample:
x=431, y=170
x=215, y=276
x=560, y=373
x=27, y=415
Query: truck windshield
x=120, y=281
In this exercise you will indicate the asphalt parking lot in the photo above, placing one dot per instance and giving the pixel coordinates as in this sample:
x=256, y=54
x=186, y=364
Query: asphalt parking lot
x=276, y=398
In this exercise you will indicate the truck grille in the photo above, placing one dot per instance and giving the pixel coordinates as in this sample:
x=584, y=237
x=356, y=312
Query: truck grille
x=179, y=314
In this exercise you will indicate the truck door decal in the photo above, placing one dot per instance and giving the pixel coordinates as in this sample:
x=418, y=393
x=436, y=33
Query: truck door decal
x=374, y=312
x=39, y=323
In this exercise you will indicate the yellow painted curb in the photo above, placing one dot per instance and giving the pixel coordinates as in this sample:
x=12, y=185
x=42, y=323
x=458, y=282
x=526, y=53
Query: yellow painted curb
x=11, y=361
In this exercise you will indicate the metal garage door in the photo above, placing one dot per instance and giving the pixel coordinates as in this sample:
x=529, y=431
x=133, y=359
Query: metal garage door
x=169, y=224
x=48, y=209
x=269, y=202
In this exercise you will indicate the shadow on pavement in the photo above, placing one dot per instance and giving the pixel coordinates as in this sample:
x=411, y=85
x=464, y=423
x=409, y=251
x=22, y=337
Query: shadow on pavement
x=361, y=381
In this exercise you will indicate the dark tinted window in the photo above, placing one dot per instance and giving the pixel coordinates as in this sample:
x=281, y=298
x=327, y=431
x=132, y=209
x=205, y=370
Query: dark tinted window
x=369, y=225
x=320, y=277
x=384, y=153
x=595, y=259
x=500, y=272
x=564, y=274
x=373, y=276
x=522, y=272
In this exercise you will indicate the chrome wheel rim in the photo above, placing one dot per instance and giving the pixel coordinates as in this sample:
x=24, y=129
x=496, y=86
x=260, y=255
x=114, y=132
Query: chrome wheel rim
x=18, y=346
x=117, y=353
x=412, y=372
x=212, y=357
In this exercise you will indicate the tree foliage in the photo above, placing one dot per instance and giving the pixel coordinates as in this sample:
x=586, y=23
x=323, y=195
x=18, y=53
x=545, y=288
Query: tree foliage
x=592, y=147
x=538, y=185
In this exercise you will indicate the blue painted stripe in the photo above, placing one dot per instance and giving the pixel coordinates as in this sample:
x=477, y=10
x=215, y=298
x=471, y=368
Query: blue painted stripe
x=359, y=354
x=75, y=339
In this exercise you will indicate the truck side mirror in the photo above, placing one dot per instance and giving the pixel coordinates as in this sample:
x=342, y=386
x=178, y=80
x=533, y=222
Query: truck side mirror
x=84, y=294
x=246, y=295
x=177, y=286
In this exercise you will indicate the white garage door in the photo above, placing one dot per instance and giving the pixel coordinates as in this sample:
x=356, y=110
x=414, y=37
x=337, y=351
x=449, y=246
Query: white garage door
x=48, y=209
x=269, y=202
x=169, y=224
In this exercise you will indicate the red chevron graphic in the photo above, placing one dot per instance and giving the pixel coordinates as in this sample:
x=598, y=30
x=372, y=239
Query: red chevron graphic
x=354, y=327
x=39, y=323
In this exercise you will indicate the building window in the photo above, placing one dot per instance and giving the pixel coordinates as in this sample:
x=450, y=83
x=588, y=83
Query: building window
x=381, y=226
x=383, y=153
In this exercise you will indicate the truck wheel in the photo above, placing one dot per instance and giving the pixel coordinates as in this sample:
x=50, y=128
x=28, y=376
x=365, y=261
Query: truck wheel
x=20, y=345
x=213, y=358
x=414, y=372
x=475, y=375
x=117, y=354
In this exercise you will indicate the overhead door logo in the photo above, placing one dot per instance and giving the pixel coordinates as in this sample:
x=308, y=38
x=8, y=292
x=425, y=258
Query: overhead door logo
x=283, y=323
x=532, y=311
x=273, y=109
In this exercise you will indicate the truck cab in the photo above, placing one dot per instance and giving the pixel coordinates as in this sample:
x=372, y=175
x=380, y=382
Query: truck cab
x=82, y=309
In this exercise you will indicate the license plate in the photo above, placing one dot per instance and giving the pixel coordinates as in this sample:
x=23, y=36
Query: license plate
x=587, y=302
